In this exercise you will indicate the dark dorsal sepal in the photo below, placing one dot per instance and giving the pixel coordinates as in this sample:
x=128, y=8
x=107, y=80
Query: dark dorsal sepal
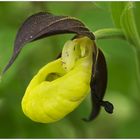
x=42, y=25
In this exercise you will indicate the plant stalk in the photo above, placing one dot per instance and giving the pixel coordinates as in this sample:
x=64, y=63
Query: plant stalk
x=109, y=33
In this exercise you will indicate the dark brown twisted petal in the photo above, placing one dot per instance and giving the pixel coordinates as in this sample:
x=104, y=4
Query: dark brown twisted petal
x=98, y=85
x=42, y=25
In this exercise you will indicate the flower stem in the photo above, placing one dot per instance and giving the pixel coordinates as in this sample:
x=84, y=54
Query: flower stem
x=109, y=33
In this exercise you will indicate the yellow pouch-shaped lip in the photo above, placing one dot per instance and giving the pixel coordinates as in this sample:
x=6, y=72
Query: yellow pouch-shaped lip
x=54, y=92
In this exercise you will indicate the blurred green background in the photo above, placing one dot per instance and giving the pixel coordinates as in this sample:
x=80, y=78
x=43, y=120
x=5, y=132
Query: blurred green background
x=122, y=89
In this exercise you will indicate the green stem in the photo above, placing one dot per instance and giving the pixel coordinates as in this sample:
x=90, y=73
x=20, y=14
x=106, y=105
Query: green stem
x=115, y=33
x=109, y=33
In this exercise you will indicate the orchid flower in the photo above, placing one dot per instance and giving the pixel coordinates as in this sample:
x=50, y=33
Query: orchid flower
x=61, y=85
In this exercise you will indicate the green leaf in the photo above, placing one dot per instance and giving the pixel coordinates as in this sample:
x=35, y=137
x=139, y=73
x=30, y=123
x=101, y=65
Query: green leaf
x=136, y=11
x=126, y=17
x=116, y=11
x=128, y=24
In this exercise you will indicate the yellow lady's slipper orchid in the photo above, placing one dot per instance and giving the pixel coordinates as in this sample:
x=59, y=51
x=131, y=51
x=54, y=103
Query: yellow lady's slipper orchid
x=60, y=86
